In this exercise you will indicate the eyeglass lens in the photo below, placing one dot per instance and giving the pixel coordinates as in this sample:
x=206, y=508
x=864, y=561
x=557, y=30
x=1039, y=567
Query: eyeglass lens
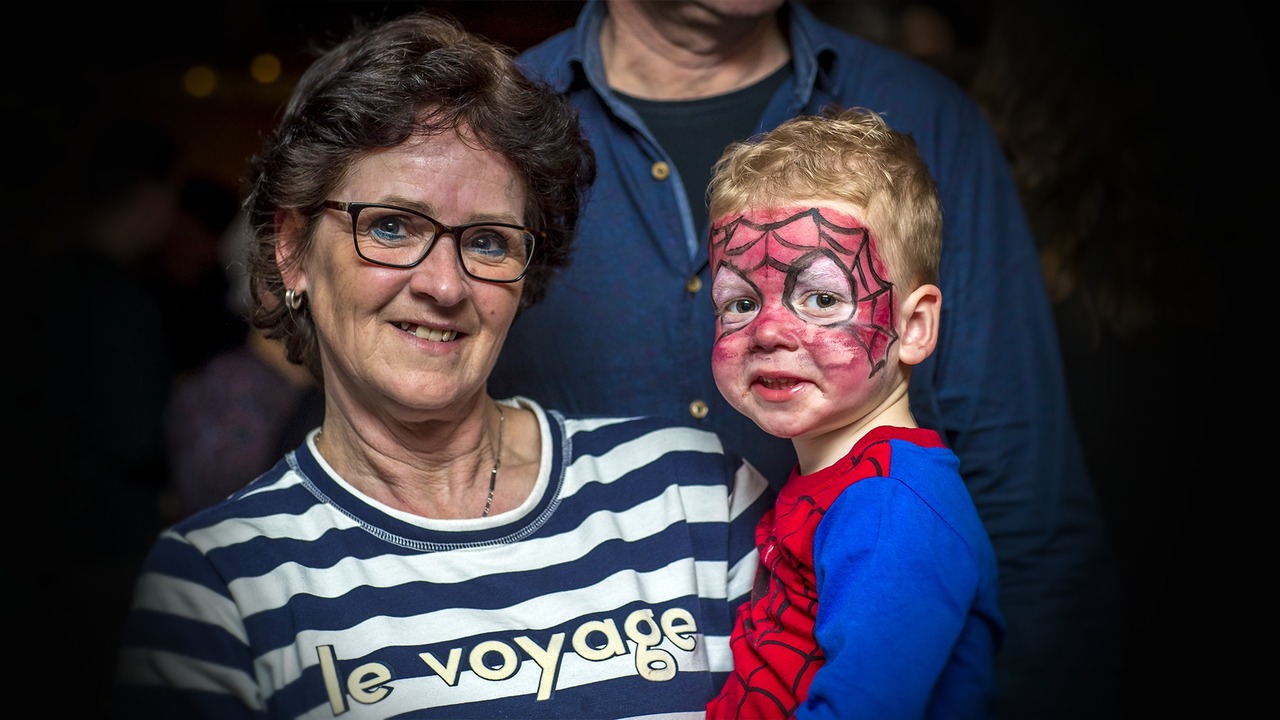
x=402, y=238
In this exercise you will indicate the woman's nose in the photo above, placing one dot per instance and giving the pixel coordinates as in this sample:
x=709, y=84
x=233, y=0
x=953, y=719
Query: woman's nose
x=440, y=273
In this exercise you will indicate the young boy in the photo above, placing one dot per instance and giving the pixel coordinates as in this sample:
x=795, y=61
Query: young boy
x=877, y=591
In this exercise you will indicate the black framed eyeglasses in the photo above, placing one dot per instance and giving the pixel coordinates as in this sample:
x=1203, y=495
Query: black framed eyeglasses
x=401, y=238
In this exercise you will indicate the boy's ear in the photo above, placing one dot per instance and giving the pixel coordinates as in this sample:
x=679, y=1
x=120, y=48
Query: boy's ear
x=289, y=227
x=919, y=314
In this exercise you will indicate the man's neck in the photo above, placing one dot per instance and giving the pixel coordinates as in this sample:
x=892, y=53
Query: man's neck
x=677, y=51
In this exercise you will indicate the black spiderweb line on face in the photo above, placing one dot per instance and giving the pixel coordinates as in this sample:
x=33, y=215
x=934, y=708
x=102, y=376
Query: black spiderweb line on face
x=736, y=238
x=731, y=240
x=872, y=289
x=878, y=291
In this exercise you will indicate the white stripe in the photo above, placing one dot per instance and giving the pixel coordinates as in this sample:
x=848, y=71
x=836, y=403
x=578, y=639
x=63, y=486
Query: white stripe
x=188, y=600
x=748, y=486
x=719, y=656
x=635, y=454
x=274, y=589
x=311, y=525
x=148, y=667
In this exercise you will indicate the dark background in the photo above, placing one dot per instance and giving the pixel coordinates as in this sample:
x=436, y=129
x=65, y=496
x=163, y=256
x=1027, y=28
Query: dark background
x=109, y=59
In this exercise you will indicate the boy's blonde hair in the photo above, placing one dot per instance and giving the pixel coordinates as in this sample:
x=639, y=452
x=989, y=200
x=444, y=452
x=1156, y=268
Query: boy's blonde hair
x=848, y=155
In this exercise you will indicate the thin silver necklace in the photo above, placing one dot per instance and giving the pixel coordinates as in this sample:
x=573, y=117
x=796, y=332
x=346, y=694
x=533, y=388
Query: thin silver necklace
x=497, y=461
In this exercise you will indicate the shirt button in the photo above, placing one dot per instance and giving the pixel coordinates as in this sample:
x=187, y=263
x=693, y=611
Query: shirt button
x=694, y=284
x=660, y=170
x=698, y=409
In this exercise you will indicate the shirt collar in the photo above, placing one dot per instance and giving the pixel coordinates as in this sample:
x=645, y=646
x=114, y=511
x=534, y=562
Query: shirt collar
x=813, y=54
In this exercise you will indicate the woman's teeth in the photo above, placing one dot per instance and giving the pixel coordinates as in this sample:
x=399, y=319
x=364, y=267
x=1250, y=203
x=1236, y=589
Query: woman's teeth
x=429, y=334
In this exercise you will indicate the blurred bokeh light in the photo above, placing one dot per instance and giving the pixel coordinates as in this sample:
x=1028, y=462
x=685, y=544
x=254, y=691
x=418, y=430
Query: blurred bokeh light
x=265, y=68
x=200, y=81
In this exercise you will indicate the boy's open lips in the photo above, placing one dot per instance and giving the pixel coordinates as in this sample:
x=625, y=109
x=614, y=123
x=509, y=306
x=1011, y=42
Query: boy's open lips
x=777, y=389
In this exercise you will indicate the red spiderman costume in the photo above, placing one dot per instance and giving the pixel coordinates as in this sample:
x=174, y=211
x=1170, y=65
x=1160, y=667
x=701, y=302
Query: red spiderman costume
x=891, y=542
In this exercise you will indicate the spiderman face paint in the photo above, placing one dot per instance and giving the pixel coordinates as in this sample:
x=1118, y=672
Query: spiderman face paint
x=804, y=317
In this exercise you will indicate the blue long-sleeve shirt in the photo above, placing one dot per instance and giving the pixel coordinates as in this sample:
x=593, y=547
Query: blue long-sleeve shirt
x=628, y=329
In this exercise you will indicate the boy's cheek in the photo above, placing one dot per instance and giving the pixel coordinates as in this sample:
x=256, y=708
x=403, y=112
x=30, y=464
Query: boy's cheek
x=721, y=354
x=726, y=359
x=726, y=371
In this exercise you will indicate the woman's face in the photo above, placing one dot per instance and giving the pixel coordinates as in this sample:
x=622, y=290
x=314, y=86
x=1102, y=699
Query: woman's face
x=417, y=341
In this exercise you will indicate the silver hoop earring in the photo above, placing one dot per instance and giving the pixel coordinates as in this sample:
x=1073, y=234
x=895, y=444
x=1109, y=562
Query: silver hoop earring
x=292, y=299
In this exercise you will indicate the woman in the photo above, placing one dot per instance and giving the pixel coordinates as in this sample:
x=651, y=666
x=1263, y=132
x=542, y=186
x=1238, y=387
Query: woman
x=430, y=551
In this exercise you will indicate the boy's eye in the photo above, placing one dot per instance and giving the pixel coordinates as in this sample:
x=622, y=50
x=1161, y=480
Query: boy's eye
x=823, y=293
x=824, y=308
x=735, y=299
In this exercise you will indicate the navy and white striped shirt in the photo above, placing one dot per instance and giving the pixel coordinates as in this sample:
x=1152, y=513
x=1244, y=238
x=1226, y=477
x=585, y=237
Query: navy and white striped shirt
x=609, y=593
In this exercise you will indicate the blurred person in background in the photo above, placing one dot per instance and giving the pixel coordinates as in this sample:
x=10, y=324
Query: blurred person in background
x=233, y=417
x=188, y=279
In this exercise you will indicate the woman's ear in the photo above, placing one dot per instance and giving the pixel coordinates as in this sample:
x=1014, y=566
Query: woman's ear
x=919, y=314
x=289, y=228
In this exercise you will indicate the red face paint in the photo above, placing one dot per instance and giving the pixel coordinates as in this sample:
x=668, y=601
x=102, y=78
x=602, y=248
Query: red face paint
x=804, y=315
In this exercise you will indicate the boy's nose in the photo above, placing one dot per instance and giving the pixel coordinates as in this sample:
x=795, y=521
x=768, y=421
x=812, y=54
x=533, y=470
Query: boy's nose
x=775, y=328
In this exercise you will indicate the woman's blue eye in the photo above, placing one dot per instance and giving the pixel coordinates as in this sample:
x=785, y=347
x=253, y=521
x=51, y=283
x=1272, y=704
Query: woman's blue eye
x=388, y=228
x=487, y=241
